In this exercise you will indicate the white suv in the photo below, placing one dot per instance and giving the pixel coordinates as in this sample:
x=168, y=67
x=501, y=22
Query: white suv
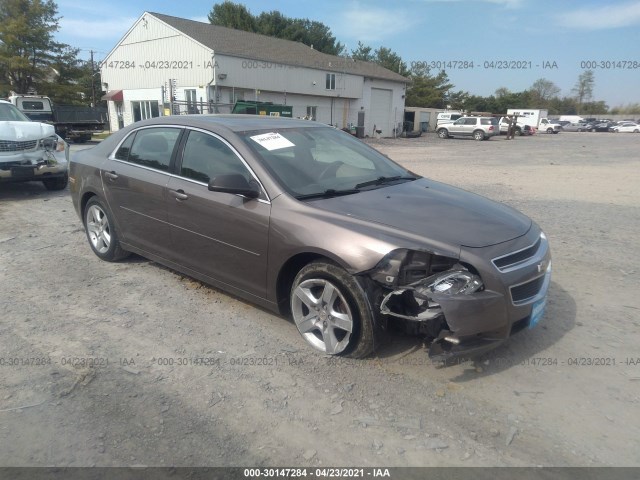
x=31, y=151
x=480, y=128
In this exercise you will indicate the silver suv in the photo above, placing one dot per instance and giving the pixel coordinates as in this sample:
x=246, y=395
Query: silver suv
x=480, y=128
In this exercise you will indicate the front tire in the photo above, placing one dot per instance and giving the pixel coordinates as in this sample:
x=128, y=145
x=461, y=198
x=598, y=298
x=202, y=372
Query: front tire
x=57, y=183
x=549, y=130
x=101, y=232
x=442, y=133
x=331, y=311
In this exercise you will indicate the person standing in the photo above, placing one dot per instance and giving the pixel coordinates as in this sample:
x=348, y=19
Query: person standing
x=512, y=127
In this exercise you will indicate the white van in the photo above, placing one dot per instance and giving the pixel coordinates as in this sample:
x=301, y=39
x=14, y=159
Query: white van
x=449, y=116
x=572, y=118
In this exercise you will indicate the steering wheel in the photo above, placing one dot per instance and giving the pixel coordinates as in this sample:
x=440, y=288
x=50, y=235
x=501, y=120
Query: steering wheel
x=331, y=170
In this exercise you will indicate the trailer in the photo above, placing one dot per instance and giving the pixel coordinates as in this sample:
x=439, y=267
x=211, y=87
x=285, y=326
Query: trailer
x=70, y=122
x=252, y=107
x=535, y=118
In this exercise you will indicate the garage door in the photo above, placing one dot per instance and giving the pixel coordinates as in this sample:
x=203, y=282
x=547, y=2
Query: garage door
x=381, y=115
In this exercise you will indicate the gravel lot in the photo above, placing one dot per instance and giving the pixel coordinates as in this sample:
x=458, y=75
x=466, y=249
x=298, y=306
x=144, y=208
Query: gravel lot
x=133, y=364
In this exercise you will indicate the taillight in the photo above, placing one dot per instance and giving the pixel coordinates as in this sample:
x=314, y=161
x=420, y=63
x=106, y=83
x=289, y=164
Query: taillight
x=491, y=128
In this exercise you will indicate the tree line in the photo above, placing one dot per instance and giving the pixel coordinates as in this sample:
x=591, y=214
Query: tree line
x=31, y=61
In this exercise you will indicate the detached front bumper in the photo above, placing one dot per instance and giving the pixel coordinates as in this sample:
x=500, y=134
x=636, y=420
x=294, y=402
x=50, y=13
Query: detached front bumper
x=515, y=277
x=33, y=166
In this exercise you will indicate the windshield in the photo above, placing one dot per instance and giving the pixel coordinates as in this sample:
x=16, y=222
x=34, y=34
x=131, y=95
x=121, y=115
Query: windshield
x=9, y=113
x=311, y=162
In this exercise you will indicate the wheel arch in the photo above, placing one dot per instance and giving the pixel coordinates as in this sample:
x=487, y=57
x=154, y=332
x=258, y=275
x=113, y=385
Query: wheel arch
x=86, y=196
x=479, y=131
x=290, y=269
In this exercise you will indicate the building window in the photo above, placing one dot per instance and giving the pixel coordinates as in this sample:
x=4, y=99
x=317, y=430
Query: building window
x=331, y=81
x=144, y=110
x=311, y=113
x=190, y=96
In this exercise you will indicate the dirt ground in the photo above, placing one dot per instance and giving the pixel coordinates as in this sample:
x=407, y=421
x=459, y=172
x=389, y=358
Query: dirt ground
x=133, y=364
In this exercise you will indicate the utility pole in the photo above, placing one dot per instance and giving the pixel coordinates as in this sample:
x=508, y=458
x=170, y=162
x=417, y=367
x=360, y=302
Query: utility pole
x=93, y=83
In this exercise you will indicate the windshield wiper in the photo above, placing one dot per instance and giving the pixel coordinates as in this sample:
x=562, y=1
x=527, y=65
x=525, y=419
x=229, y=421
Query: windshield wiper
x=328, y=193
x=382, y=181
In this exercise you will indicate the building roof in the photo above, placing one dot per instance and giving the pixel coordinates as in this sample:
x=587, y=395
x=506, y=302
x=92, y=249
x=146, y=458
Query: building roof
x=253, y=46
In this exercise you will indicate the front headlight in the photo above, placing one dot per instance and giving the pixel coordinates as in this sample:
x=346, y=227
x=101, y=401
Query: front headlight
x=459, y=282
x=53, y=143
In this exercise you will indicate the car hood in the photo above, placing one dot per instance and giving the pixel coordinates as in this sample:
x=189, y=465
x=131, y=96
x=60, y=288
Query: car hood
x=25, y=131
x=435, y=211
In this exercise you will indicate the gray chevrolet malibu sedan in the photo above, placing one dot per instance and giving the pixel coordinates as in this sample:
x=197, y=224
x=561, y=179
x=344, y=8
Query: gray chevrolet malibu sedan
x=309, y=222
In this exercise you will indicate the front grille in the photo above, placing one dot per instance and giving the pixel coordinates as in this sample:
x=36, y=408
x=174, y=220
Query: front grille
x=11, y=146
x=515, y=258
x=526, y=291
x=17, y=164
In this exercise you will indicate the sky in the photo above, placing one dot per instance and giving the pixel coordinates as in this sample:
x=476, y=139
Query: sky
x=482, y=44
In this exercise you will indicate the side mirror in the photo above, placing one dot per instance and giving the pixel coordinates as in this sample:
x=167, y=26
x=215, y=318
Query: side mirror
x=235, y=184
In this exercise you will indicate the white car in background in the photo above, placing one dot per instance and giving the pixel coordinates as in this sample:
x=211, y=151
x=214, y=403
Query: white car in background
x=626, y=127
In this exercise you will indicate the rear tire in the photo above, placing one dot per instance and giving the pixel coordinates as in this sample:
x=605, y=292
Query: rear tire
x=101, y=232
x=331, y=311
x=478, y=135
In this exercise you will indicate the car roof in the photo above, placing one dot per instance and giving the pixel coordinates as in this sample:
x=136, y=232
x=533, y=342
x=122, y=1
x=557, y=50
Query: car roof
x=233, y=122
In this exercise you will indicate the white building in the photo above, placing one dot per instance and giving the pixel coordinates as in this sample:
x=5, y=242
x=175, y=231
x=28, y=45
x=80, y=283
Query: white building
x=166, y=62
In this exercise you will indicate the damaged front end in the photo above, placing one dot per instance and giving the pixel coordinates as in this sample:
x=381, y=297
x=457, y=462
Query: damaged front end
x=33, y=159
x=439, y=297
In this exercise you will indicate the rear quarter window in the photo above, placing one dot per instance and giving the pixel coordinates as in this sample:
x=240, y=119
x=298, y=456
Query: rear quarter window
x=125, y=147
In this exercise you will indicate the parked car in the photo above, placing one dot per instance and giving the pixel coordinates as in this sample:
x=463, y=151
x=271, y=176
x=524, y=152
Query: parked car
x=521, y=128
x=576, y=127
x=448, y=116
x=479, y=128
x=626, y=127
x=31, y=151
x=308, y=221
x=602, y=126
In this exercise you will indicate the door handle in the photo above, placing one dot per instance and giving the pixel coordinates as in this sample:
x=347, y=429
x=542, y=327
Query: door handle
x=112, y=175
x=179, y=194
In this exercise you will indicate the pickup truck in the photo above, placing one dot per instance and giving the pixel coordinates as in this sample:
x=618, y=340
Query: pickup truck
x=40, y=109
x=549, y=126
x=31, y=151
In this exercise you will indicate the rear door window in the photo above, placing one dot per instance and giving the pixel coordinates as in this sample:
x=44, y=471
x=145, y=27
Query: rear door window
x=153, y=147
